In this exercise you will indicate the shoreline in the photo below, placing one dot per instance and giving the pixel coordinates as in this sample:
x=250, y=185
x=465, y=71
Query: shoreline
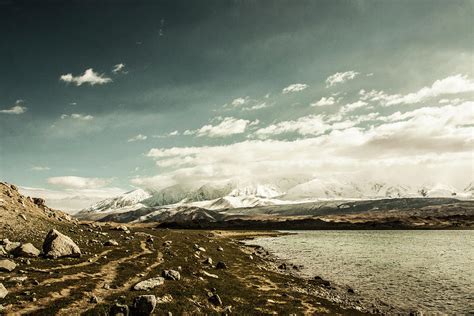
x=345, y=296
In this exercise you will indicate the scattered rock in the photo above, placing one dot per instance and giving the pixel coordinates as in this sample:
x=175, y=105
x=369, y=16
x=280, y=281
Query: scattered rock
x=58, y=245
x=123, y=228
x=221, y=265
x=26, y=250
x=167, y=243
x=215, y=299
x=149, y=284
x=350, y=291
x=144, y=304
x=119, y=310
x=7, y=265
x=320, y=281
x=282, y=266
x=10, y=246
x=199, y=248
x=208, y=261
x=3, y=252
x=94, y=299
x=251, y=257
x=111, y=242
x=210, y=275
x=39, y=201
x=164, y=299
x=171, y=275
x=3, y=291
x=23, y=217
x=220, y=248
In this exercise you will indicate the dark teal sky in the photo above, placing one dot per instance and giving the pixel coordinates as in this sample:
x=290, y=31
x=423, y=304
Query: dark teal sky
x=184, y=60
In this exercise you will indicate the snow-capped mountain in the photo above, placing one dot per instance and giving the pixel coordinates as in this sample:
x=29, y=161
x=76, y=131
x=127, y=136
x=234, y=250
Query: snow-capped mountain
x=128, y=201
x=233, y=195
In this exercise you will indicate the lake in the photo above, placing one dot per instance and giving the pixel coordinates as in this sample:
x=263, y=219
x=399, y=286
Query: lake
x=431, y=271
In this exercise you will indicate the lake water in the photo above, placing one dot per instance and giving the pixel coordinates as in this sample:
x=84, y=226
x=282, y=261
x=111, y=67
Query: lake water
x=431, y=271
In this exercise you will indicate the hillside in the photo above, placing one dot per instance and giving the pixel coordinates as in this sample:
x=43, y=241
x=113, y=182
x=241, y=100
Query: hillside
x=27, y=218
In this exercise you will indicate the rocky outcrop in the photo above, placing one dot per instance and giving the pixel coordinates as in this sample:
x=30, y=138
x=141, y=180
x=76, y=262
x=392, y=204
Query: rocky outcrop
x=57, y=245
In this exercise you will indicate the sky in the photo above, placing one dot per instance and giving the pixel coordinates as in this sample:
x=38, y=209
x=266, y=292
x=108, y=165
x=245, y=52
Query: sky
x=100, y=97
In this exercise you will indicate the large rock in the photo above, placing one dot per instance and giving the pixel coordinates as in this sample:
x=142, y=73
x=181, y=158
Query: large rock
x=3, y=291
x=7, y=265
x=144, y=305
x=10, y=246
x=26, y=250
x=149, y=284
x=57, y=245
x=171, y=275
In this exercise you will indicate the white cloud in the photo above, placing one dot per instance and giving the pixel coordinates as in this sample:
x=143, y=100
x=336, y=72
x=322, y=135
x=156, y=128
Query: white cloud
x=226, y=127
x=257, y=106
x=306, y=125
x=77, y=116
x=450, y=85
x=296, y=87
x=170, y=134
x=341, y=77
x=240, y=101
x=79, y=182
x=353, y=106
x=40, y=168
x=16, y=109
x=119, y=68
x=89, y=77
x=71, y=200
x=136, y=138
x=432, y=143
x=324, y=101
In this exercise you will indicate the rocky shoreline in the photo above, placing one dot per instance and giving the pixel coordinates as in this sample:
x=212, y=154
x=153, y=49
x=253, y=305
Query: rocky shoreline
x=346, y=297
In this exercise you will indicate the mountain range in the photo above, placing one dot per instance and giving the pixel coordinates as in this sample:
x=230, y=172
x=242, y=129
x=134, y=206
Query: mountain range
x=178, y=199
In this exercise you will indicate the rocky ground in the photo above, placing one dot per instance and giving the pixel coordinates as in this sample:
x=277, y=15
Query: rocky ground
x=179, y=272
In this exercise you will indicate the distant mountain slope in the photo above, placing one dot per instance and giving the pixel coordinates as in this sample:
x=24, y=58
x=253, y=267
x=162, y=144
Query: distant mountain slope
x=127, y=201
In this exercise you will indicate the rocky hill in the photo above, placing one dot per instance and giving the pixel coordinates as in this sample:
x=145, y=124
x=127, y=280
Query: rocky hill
x=27, y=218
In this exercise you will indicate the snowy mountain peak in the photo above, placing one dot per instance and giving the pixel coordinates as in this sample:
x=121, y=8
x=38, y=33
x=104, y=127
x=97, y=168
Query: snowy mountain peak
x=127, y=201
x=259, y=190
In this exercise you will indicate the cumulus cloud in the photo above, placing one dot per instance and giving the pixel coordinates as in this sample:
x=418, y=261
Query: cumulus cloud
x=226, y=127
x=428, y=143
x=79, y=182
x=324, y=101
x=119, y=68
x=450, y=85
x=170, y=134
x=306, y=125
x=340, y=77
x=139, y=137
x=295, y=87
x=16, y=109
x=353, y=106
x=89, y=77
x=77, y=116
x=258, y=106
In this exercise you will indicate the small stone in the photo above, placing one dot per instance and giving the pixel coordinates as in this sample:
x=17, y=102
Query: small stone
x=208, y=261
x=94, y=299
x=215, y=299
x=282, y=266
x=23, y=217
x=111, y=242
x=7, y=265
x=221, y=265
x=149, y=284
x=144, y=305
x=119, y=310
x=164, y=299
x=171, y=275
x=167, y=243
x=220, y=248
x=210, y=275
x=3, y=291
x=251, y=257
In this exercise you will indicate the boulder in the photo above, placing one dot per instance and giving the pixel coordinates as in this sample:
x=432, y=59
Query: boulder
x=171, y=275
x=26, y=250
x=119, y=310
x=7, y=265
x=3, y=291
x=149, y=284
x=10, y=246
x=57, y=245
x=39, y=201
x=144, y=305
